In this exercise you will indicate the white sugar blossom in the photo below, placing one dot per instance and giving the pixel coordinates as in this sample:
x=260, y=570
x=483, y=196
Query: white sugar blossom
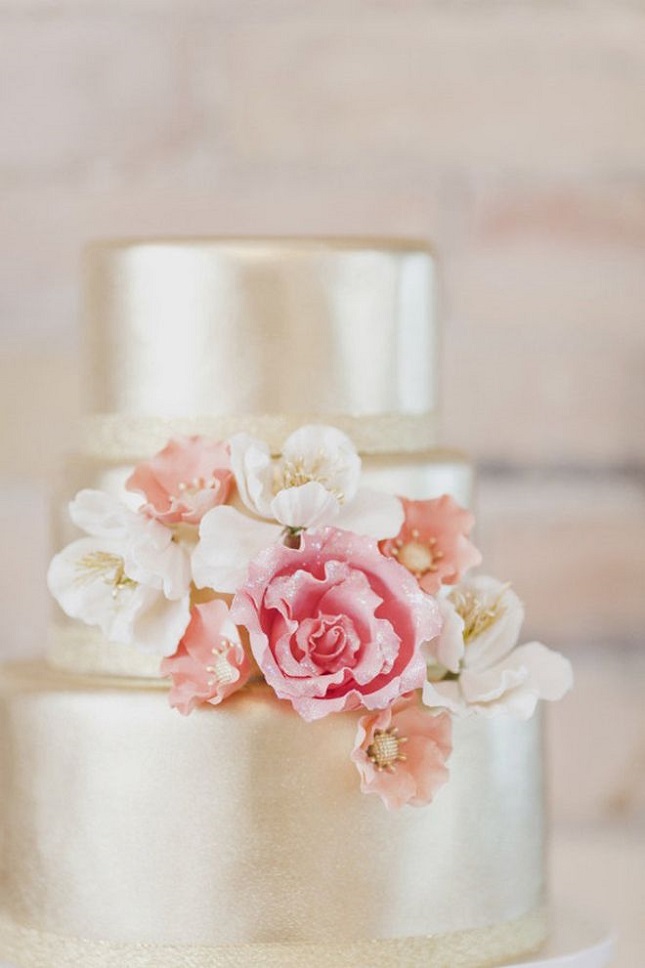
x=486, y=671
x=314, y=484
x=154, y=555
x=89, y=581
x=130, y=576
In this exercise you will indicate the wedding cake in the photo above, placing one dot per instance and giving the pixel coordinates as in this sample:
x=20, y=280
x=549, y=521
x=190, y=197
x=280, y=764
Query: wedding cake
x=283, y=719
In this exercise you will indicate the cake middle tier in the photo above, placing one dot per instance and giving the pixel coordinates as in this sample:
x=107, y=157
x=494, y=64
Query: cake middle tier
x=126, y=822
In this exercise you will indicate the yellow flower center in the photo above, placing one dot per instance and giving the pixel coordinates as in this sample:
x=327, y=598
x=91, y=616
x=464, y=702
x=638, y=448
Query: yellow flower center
x=385, y=749
x=418, y=556
x=102, y=565
x=296, y=472
x=478, y=615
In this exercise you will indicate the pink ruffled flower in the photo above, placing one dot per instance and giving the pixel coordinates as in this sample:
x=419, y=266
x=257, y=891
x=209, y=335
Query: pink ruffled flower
x=433, y=542
x=401, y=753
x=210, y=662
x=334, y=624
x=183, y=481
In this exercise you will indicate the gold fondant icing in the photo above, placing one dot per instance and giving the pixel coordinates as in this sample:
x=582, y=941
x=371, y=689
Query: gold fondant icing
x=118, y=437
x=125, y=824
x=230, y=327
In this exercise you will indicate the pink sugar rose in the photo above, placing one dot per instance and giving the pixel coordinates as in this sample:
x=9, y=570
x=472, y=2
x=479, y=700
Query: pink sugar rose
x=401, y=753
x=183, y=481
x=334, y=624
x=210, y=662
x=433, y=542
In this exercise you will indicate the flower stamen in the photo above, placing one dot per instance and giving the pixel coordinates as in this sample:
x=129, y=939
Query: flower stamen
x=298, y=471
x=417, y=555
x=478, y=615
x=190, y=488
x=384, y=752
x=102, y=565
x=221, y=671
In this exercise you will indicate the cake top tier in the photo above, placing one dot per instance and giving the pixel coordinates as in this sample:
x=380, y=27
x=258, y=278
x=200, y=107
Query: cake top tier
x=199, y=327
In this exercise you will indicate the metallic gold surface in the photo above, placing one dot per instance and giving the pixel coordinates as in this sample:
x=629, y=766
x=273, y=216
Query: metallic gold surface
x=184, y=328
x=477, y=948
x=421, y=476
x=128, y=823
x=115, y=437
x=73, y=647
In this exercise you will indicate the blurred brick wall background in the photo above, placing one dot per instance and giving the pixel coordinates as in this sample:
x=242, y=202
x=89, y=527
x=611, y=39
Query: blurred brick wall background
x=512, y=134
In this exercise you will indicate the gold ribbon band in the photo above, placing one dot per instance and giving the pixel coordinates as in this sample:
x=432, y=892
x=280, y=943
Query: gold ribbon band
x=85, y=651
x=475, y=948
x=128, y=438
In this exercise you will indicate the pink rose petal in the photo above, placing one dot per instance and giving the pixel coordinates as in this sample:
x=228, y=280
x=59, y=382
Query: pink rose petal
x=334, y=624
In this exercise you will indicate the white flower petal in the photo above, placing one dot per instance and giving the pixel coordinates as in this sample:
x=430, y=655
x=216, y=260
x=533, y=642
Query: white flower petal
x=156, y=560
x=151, y=555
x=495, y=642
x=253, y=470
x=520, y=703
x=128, y=613
x=101, y=514
x=82, y=580
x=447, y=649
x=86, y=591
x=445, y=694
x=228, y=541
x=491, y=684
x=159, y=624
x=515, y=685
x=309, y=505
x=83, y=593
x=548, y=672
x=116, y=623
x=328, y=454
x=496, y=676
x=372, y=514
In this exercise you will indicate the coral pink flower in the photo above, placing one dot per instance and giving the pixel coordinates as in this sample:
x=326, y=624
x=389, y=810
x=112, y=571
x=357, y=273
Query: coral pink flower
x=334, y=624
x=183, y=481
x=210, y=662
x=401, y=753
x=433, y=542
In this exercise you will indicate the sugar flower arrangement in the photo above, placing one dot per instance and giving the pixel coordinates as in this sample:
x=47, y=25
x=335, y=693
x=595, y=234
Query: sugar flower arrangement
x=234, y=566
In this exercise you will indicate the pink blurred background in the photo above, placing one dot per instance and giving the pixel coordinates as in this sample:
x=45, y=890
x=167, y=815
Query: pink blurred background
x=513, y=136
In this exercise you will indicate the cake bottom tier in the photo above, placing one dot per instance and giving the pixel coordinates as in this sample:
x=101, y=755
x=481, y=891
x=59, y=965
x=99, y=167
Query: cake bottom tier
x=239, y=836
x=478, y=948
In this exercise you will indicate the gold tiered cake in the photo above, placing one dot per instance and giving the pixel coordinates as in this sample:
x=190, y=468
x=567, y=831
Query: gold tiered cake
x=268, y=540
